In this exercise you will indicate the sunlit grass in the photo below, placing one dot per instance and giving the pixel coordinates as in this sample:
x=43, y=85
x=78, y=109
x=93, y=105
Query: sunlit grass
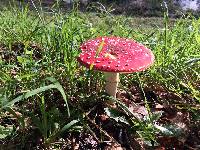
x=38, y=45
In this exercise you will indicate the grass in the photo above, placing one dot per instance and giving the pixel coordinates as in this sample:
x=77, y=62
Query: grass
x=41, y=81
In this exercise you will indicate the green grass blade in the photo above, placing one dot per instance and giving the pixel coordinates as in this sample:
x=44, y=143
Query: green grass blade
x=29, y=94
x=60, y=88
x=56, y=85
x=69, y=125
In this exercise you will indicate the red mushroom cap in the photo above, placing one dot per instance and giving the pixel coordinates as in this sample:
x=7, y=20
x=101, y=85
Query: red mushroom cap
x=115, y=54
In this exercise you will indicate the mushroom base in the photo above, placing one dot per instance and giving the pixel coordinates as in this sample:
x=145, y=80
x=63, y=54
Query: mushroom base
x=112, y=81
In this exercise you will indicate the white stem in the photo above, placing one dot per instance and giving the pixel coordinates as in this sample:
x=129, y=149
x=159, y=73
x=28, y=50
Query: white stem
x=112, y=81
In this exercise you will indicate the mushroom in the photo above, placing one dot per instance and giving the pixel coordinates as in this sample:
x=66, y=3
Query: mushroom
x=114, y=55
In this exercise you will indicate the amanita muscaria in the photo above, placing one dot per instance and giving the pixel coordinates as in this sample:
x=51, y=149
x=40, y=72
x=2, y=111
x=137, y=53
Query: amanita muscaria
x=114, y=55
